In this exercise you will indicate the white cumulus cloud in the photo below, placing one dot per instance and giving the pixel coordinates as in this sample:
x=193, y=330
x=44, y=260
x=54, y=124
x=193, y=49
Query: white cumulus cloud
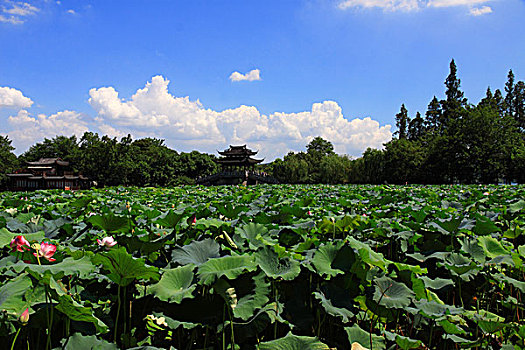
x=416, y=5
x=154, y=111
x=13, y=98
x=29, y=129
x=253, y=75
x=16, y=12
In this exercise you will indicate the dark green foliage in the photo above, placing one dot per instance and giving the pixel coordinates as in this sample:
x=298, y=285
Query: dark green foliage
x=8, y=160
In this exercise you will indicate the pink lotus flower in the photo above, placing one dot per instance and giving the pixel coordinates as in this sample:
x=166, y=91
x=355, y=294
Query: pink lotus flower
x=107, y=242
x=309, y=212
x=24, y=318
x=46, y=250
x=18, y=243
x=194, y=221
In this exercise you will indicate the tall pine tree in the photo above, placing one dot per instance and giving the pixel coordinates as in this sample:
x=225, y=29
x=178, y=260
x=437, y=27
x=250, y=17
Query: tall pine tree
x=433, y=115
x=402, y=122
x=455, y=102
x=510, y=94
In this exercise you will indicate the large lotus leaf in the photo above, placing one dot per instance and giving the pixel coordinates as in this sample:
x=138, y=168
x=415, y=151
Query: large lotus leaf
x=256, y=299
x=293, y=342
x=363, y=338
x=175, y=284
x=6, y=236
x=69, y=266
x=517, y=206
x=77, y=312
x=124, y=268
x=255, y=234
x=367, y=255
x=435, y=309
x=471, y=247
x=170, y=219
x=517, y=284
x=273, y=267
x=449, y=226
x=392, y=294
x=229, y=266
x=324, y=258
x=87, y=342
x=342, y=312
x=174, y=324
x=18, y=294
x=111, y=223
x=492, y=247
x=437, y=283
x=404, y=343
x=197, y=252
x=484, y=226
x=230, y=211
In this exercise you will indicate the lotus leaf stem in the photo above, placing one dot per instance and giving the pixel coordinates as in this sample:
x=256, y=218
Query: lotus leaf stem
x=14, y=340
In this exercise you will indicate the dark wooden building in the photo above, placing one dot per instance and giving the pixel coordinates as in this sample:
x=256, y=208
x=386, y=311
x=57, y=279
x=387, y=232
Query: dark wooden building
x=47, y=173
x=237, y=167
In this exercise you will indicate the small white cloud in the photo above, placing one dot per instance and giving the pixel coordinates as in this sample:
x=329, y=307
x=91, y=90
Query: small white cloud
x=480, y=11
x=13, y=98
x=415, y=5
x=71, y=12
x=252, y=75
x=387, y=5
x=17, y=12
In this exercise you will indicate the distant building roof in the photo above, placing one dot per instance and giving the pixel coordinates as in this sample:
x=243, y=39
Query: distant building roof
x=237, y=151
x=48, y=162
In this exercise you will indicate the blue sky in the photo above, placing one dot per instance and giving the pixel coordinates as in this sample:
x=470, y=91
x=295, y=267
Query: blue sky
x=339, y=69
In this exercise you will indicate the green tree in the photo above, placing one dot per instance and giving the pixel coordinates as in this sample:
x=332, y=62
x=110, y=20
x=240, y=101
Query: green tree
x=434, y=115
x=455, y=101
x=402, y=122
x=335, y=169
x=8, y=160
x=416, y=128
x=510, y=94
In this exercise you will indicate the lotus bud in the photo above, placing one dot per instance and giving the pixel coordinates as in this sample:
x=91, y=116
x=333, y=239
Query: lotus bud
x=24, y=318
x=107, y=242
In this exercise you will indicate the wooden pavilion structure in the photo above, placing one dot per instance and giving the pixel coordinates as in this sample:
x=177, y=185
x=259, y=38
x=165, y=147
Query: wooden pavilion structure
x=237, y=167
x=47, y=173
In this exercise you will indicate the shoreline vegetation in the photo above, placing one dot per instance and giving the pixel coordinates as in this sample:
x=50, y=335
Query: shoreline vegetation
x=454, y=141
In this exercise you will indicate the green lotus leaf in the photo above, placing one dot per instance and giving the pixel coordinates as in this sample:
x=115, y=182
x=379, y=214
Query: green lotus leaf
x=484, y=226
x=367, y=255
x=256, y=235
x=175, y=284
x=293, y=342
x=471, y=247
x=77, y=312
x=517, y=206
x=110, y=223
x=124, y=268
x=19, y=294
x=69, y=266
x=357, y=335
x=197, y=252
x=229, y=266
x=6, y=236
x=274, y=267
x=450, y=226
x=174, y=324
x=492, y=247
x=392, y=294
x=435, y=309
x=169, y=219
x=88, y=342
x=244, y=307
x=437, y=283
x=342, y=312
x=324, y=258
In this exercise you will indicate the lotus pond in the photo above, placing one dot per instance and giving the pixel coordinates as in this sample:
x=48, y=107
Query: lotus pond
x=264, y=267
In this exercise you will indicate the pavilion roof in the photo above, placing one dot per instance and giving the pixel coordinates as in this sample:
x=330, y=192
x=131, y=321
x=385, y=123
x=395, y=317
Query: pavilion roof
x=237, y=151
x=49, y=162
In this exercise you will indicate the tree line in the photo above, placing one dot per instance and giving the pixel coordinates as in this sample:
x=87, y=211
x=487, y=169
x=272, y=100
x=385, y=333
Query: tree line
x=453, y=142
x=110, y=162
